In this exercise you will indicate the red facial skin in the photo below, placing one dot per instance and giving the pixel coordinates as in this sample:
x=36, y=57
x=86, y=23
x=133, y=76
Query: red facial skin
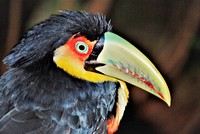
x=71, y=44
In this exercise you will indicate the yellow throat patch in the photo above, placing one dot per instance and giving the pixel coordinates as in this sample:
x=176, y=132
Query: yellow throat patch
x=69, y=62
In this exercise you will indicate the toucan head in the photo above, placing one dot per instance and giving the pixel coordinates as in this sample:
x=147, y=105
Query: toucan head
x=109, y=57
x=82, y=45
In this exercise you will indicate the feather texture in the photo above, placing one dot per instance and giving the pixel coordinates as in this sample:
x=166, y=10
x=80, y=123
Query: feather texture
x=53, y=101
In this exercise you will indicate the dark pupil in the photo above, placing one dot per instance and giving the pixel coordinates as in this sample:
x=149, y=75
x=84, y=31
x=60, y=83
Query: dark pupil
x=81, y=47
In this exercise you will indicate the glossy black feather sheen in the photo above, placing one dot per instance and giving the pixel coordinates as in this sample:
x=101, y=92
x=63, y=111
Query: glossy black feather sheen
x=36, y=97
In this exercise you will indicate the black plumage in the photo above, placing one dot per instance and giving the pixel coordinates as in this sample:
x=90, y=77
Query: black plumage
x=36, y=97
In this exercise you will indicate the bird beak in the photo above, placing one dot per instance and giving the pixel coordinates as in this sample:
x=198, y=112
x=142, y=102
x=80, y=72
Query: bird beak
x=119, y=59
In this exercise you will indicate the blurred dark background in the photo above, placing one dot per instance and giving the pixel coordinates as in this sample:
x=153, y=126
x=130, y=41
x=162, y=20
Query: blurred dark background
x=167, y=31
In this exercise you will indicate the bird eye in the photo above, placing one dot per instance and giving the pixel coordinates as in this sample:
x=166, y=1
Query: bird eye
x=81, y=47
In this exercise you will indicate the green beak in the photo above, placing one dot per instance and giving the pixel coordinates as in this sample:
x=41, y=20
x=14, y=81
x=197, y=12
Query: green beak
x=125, y=62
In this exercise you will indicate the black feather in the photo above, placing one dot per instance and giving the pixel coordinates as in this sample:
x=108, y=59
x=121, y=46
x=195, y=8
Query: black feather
x=36, y=97
x=45, y=37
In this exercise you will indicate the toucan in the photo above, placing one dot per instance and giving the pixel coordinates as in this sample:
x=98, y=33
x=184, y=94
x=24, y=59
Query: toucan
x=68, y=73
